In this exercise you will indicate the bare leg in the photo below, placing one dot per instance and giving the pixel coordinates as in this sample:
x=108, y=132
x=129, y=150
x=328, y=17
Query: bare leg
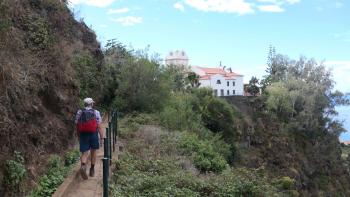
x=93, y=157
x=84, y=157
x=83, y=160
x=93, y=161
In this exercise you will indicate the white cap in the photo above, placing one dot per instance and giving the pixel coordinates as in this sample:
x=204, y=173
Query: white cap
x=89, y=101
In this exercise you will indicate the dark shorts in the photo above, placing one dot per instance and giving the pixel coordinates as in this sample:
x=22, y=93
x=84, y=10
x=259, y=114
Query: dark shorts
x=89, y=141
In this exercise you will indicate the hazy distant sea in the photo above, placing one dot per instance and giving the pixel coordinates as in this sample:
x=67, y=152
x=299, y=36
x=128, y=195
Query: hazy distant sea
x=344, y=114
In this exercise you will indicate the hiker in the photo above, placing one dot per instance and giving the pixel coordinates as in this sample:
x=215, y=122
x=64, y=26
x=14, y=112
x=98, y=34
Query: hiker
x=88, y=122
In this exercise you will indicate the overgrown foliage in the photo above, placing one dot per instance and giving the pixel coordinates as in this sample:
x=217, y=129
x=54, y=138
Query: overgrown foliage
x=15, y=172
x=300, y=93
x=90, y=79
x=56, y=172
x=141, y=171
x=253, y=86
x=39, y=36
x=205, y=157
x=141, y=84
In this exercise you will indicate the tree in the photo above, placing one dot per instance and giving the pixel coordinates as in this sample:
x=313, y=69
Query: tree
x=253, y=87
x=276, y=68
x=303, y=95
x=193, y=78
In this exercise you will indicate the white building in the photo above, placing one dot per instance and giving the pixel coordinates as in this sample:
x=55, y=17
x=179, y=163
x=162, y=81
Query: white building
x=178, y=58
x=223, y=83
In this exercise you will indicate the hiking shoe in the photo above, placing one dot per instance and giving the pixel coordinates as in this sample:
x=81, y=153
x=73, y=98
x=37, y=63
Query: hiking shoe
x=92, y=172
x=83, y=172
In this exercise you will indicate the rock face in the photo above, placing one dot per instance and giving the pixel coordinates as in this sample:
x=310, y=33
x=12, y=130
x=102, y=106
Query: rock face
x=38, y=90
x=314, y=161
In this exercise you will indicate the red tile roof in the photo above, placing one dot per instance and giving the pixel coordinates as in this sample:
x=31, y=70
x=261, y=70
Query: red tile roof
x=345, y=142
x=214, y=71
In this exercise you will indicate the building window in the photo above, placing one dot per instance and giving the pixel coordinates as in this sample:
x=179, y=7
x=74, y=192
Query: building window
x=222, y=93
x=215, y=92
x=228, y=92
x=228, y=83
x=233, y=83
x=218, y=82
x=233, y=92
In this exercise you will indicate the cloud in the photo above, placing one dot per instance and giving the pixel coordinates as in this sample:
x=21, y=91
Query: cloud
x=118, y=11
x=270, y=8
x=280, y=2
x=128, y=20
x=319, y=8
x=292, y=1
x=345, y=36
x=338, y=4
x=179, y=6
x=341, y=72
x=240, y=7
x=95, y=3
x=226, y=6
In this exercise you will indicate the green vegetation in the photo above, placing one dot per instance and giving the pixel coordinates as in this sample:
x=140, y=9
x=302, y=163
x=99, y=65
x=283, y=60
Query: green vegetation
x=205, y=157
x=88, y=75
x=39, y=36
x=253, y=86
x=56, y=172
x=15, y=172
x=163, y=163
x=299, y=93
x=180, y=139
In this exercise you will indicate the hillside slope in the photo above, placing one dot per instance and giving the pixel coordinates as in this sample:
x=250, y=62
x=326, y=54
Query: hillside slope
x=39, y=91
x=313, y=161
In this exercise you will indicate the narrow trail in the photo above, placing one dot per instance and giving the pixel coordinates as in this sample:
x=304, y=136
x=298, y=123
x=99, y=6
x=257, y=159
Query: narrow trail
x=75, y=186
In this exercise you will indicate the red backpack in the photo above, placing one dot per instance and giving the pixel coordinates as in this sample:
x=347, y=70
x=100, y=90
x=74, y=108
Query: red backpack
x=87, y=122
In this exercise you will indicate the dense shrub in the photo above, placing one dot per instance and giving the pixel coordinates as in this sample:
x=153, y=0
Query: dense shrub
x=137, y=177
x=204, y=156
x=89, y=78
x=39, y=36
x=242, y=182
x=15, y=172
x=217, y=115
x=285, y=183
x=71, y=157
x=164, y=175
x=179, y=115
x=142, y=85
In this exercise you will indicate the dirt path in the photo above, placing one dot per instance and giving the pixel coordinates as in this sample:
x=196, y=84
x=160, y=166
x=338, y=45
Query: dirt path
x=75, y=186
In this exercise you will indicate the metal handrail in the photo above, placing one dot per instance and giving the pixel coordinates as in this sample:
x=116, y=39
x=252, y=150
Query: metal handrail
x=110, y=141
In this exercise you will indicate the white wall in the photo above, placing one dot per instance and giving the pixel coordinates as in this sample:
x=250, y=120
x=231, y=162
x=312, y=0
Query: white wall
x=212, y=83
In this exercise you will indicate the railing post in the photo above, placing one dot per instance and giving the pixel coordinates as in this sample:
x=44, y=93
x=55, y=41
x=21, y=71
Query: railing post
x=110, y=125
x=109, y=144
x=113, y=136
x=106, y=144
x=116, y=125
x=105, y=176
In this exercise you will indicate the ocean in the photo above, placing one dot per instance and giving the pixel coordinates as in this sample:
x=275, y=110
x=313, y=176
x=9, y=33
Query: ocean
x=344, y=115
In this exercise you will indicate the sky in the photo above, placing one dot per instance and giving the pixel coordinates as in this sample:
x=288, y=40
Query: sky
x=236, y=32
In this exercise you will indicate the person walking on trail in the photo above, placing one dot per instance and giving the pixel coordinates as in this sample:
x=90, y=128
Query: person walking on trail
x=88, y=122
